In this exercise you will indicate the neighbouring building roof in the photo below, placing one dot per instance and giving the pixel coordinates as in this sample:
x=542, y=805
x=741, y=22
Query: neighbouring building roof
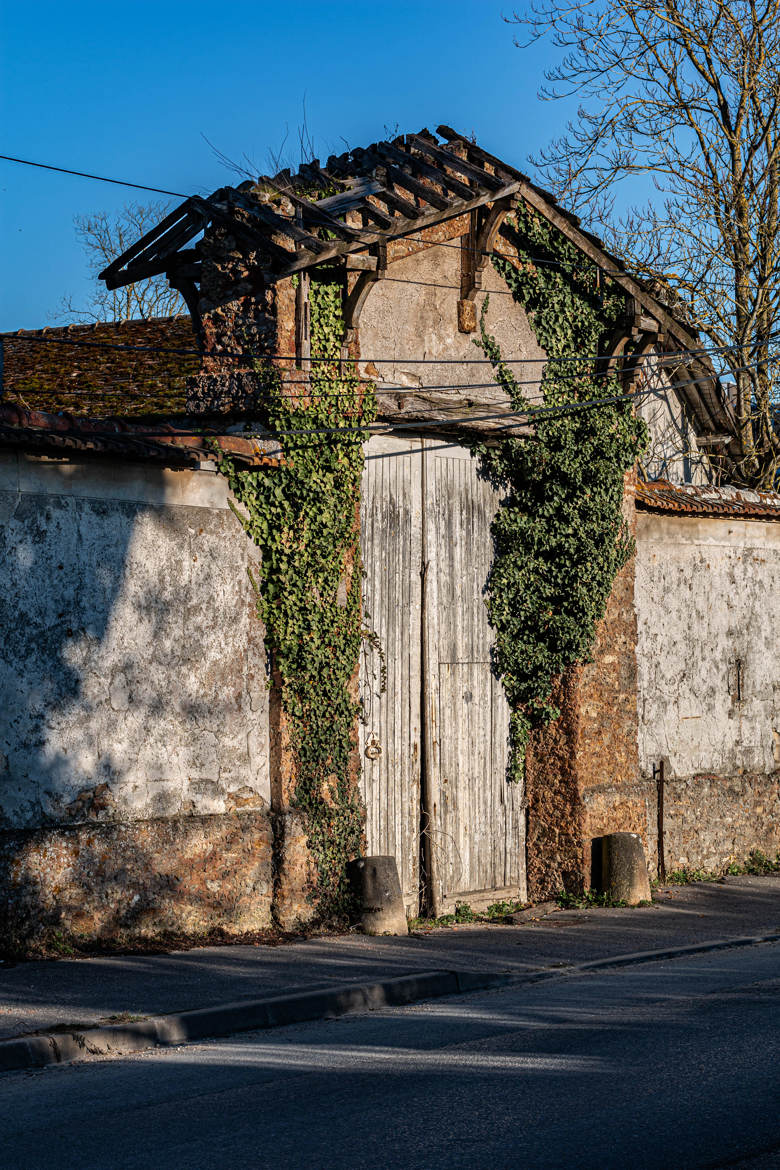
x=694, y=500
x=130, y=368
x=37, y=432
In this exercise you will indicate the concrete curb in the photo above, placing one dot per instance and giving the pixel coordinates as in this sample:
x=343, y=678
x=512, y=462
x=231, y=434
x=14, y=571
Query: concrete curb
x=60, y=1046
x=57, y=1047
x=719, y=944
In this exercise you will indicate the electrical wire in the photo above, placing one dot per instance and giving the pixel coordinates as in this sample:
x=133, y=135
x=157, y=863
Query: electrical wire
x=588, y=266
x=312, y=394
x=33, y=338
x=86, y=175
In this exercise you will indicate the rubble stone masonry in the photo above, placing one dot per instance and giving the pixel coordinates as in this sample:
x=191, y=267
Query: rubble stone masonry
x=685, y=674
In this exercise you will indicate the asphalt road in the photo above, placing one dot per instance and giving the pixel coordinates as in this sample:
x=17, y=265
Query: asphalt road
x=669, y=1066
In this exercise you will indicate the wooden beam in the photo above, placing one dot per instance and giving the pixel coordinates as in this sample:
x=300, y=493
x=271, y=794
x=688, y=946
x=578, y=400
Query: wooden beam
x=313, y=212
x=404, y=207
x=186, y=286
x=420, y=407
x=502, y=170
x=279, y=223
x=448, y=159
x=401, y=178
x=607, y=264
x=405, y=158
x=401, y=228
x=146, y=239
x=257, y=241
x=354, y=301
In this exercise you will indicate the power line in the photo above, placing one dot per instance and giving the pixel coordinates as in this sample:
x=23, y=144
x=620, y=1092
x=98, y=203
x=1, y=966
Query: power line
x=546, y=261
x=24, y=338
x=411, y=391
x=180, y=195
x=86, y=175
x=524, y=417
x=584, y=266
x=311, y=393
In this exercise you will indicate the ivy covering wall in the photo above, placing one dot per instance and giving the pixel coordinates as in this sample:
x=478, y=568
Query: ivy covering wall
x=560, y=538
x=559, y=535
x=305, y=518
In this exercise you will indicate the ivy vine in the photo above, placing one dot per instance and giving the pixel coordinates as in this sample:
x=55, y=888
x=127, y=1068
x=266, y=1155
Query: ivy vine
x=559, y=536
x=305, y=518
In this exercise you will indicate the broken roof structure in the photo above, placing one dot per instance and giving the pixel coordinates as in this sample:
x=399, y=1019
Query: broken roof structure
x=346, y=212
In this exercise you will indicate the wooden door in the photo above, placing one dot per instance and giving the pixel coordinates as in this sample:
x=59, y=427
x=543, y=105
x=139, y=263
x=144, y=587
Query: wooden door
x=390, y=740
x=434, y=743
x=477, y=819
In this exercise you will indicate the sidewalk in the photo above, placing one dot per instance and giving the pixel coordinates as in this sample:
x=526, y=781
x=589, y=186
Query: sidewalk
x=42, y=995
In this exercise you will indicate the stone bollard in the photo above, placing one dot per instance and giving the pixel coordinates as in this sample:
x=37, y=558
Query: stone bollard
x=378, y=892
x=620, y=868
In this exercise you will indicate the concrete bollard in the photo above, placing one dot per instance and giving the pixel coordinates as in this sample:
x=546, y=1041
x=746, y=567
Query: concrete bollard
x=378, y=891
x=622, y=872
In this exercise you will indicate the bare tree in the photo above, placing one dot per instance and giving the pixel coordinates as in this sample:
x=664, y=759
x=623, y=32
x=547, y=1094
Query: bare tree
x=680, y=99
x=104, y=237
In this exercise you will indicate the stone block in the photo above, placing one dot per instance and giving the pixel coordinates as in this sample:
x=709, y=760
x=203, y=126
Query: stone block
x=622, y=872
x=378, y=891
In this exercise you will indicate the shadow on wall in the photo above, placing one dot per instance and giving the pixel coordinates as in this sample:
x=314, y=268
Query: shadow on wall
x=130, y=713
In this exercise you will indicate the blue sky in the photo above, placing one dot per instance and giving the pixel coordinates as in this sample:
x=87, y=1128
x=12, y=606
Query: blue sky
x=131, y=90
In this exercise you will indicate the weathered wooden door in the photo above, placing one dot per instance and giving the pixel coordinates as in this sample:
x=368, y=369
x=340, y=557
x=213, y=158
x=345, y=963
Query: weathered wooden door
x=434, y=744
x=390, y=669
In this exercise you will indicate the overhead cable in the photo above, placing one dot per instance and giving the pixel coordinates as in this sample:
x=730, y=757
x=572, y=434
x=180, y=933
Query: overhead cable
x=86, y=175
x=35, y=338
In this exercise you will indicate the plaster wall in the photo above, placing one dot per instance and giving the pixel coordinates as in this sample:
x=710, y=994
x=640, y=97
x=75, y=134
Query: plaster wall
x=708, y=668
x=672, y=452
x=133, y=683
x=414, y=314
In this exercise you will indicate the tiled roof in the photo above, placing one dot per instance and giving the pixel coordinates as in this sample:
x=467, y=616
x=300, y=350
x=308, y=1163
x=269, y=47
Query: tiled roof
x=136, y=369
x=696, y=500
x=358, y=201
x=175, y=446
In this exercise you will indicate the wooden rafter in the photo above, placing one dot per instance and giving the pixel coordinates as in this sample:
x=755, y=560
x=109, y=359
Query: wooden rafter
x=395, y=189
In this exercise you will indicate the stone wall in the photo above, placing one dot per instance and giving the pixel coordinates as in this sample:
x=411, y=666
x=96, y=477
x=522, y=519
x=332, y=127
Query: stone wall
x=582, y=770
x=401, y=322
x=708, y=656
x=134, y=771
x=685, y=672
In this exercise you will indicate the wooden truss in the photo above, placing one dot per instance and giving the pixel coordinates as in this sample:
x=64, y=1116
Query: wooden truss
x=387, y=191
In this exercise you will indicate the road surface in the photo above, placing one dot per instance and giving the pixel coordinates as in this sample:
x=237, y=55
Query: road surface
x=663, y=1066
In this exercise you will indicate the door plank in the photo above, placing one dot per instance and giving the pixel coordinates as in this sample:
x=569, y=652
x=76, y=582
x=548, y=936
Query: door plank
x=391, y=534
x=478, y=830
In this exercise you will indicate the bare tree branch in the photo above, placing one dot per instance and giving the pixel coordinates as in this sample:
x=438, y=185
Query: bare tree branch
x=682, y=96
x=104, y=237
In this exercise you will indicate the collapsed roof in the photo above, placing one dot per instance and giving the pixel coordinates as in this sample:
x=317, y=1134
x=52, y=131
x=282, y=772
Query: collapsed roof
x=362, y=199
